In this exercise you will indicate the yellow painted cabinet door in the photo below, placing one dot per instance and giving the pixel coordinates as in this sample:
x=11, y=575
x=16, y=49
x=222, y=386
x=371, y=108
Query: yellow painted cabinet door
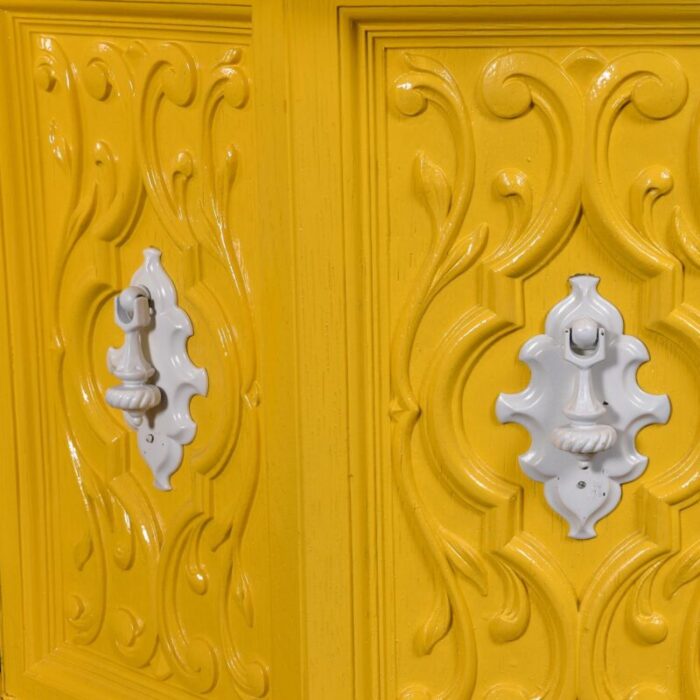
x=366, y=209
x=128, y=126
x=488, y=153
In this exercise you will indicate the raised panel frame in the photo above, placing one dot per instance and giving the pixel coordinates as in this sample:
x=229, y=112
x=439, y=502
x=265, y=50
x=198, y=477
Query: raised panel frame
x=366, y=36
x=34, y=659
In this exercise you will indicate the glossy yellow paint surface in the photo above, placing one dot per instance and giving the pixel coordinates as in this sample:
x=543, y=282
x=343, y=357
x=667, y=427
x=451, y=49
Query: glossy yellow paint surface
x=366, y=211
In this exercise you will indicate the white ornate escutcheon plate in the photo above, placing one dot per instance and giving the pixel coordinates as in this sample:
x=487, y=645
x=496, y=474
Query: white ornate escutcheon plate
x=158, y=378
x=583, y=407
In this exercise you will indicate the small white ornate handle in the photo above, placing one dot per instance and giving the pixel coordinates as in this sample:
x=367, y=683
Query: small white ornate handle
x=132, y=313
x=157, y=376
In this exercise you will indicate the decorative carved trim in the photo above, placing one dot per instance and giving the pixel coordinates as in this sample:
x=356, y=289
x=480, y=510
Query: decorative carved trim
x=580, y=104
x=108, y=193
x=429, y=82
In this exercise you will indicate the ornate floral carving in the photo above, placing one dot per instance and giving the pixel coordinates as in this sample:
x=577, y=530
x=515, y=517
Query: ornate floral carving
x=580, y=101
x=427, y=81
x=510, y=90
x=108, y=195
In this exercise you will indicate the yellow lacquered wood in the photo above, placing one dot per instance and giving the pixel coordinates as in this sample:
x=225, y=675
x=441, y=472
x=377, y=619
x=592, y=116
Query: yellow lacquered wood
x=457, y=522
x=320, y=289
x=394, y=548
x=128, y=128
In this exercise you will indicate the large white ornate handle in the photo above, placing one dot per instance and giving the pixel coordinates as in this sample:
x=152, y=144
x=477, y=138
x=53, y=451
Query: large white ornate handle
x=583, y=407
x=134, y=396
x=157, y=377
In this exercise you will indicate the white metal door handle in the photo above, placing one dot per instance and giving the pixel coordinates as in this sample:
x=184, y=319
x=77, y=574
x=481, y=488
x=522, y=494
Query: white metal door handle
x=583, y=407
x=158, y=379
x=132, y=312
x=584, y=347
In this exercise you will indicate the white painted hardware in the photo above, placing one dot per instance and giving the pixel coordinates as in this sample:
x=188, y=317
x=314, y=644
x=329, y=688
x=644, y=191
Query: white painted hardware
x=155, y=347
x=583, y=407
x=134, y=396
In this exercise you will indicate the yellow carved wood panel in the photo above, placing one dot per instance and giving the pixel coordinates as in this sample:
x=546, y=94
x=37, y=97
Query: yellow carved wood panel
x=366, y=209
x=133, y=132
x=493, y=163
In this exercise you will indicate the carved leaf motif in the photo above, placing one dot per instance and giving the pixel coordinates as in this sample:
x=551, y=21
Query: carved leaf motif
x=434, y=186
x=643, y=621
x=244, y=597
x=60, y=147
x=685, y=236
x=512, y=621
x=514, y=187
x=82, y=551
x=436, y=626
x=466, y=560
x=461, y=257
x=427, y=64
x=684, y=570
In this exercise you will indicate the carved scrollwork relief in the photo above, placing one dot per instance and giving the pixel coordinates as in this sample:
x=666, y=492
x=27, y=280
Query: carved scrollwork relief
x=579, y=101
x=111, y=184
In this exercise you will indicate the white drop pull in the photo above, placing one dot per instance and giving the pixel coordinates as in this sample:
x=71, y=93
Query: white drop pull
x=134, y=396
x=584, y=347
x=583, y=407
x=158, y=380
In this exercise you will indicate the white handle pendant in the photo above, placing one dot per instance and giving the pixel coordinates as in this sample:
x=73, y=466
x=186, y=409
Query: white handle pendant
x=156, y=328
x=583, y=407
